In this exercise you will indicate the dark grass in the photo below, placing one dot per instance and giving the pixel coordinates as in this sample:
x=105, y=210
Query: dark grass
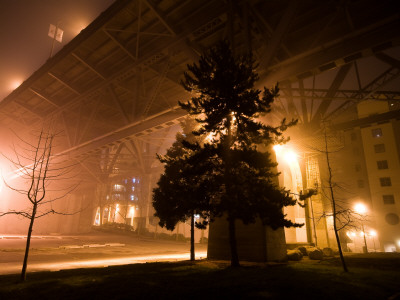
x=215, y=280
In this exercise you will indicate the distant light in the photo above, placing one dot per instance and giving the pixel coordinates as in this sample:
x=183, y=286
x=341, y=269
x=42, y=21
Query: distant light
x=360, y=208
x=351, y=234
x=361, y=234
x=277, y=148
x=372, y=233
x=398, y=243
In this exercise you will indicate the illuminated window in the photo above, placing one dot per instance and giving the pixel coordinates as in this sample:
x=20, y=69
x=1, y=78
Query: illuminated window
x=133, y=189
x=385, y=181
x=388, y=199
x=132, y=197
x=379, y=148
x=133, y=180
x=118, y=187
x=360, y=183
x=382, y=164
x=376, y=133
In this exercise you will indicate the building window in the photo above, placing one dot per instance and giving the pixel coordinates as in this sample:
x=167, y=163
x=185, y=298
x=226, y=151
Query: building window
x=376, y=133
x=392, y=219
x=357, y=167
x=385, y=181
x=382, y=164
x=388, y=199
x=360, y=183
x=379, y=148
x=353, y=136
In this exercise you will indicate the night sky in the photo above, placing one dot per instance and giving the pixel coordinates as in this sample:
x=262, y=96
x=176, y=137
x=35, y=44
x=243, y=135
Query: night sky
x=24, y=41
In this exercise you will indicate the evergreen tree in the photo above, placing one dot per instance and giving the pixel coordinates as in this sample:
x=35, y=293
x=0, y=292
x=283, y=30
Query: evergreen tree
x=183, y=190
x=228, y=107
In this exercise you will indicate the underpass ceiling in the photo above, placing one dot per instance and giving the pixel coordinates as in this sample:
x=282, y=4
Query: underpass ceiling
x=118, y=80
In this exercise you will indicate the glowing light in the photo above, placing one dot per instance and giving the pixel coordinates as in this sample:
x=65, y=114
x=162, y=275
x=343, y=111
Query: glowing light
x=97, y=217
x=277, y=148
x=132, y=211
x=15, y=84
x=360, y=208
x=372, y=233
x=398, y=243
x=351, y=234
x=290, y=156
x=361, y=234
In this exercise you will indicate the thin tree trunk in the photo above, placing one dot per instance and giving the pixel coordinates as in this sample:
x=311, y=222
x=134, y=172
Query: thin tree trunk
x=28, y=242
x=232, y=242
x=334, y=207
x=192, y=253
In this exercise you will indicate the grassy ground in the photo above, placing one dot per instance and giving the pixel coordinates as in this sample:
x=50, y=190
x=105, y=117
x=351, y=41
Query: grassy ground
x=376, y=276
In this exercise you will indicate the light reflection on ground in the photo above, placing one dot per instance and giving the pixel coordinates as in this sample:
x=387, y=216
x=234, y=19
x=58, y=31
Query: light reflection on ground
x=53, y=253
x=96, y=263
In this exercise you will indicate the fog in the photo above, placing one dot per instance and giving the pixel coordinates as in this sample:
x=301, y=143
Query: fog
x=25, y=44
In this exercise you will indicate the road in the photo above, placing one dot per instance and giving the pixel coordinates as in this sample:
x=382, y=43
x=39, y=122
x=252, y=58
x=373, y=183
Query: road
x=53, y=253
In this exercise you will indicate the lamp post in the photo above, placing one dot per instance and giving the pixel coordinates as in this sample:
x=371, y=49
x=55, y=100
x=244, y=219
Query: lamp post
x=361, y=209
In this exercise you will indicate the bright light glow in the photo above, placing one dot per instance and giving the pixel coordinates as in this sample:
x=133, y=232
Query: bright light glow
x=277, y=148
x=290, y=157
x=132, y=211
x=372, y=233
x=15, y=83
x=351, y=234
x=361, y=234
x=360, y=208
x=398, y=243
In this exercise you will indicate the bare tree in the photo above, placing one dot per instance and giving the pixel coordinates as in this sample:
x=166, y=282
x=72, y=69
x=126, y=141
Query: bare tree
x=39, y=168
x=342, y=214
x=335, y=213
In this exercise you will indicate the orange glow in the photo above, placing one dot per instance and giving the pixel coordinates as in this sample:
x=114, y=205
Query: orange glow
x=15, y=84
x=12, y=268
x=290, y=156
x=360, y=208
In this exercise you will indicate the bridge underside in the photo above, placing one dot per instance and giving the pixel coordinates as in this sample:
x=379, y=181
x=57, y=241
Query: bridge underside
x=113, y=90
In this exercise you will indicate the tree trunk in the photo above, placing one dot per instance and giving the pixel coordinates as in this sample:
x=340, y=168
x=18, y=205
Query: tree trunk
x=28, y=242
x=232, y=242
x=334, y=206
x=192, y=254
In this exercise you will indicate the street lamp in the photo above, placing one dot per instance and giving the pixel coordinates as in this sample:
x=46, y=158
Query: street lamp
x=361, y=209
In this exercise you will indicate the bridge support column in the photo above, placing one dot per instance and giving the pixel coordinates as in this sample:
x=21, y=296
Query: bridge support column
x=255, y=242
